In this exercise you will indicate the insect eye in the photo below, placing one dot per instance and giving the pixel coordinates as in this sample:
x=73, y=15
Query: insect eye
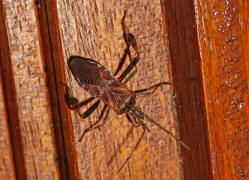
x=137, y=112
x=139, y=115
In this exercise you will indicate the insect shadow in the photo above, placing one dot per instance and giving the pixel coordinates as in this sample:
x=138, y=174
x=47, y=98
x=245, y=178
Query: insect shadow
x=105, y=86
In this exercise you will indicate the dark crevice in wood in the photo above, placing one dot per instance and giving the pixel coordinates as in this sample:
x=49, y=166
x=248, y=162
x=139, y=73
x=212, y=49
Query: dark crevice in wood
x=184, y=51
x=11, y=107
x=52, y=55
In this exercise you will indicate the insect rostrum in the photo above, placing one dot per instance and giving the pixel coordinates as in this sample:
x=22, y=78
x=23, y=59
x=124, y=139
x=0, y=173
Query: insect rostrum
x=106, y=87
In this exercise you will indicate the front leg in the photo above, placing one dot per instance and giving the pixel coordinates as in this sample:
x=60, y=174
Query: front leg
x=130, y=41
x=73, y=102
x=129, y=37
x=96, y=124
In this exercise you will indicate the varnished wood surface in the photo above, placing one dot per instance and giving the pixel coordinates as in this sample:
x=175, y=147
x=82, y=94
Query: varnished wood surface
x=37, y=156
x=93, y=30
x=223, y=40
x=7, y=165
x=11, y=156
x=46, y=12
x=201, y=45
x=190, y=105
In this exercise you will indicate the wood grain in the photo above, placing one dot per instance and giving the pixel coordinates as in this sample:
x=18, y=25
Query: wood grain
x=223, y=40
x=53, y=62
x=202, y=46
x=12, y=159
x=7, y=170
x=34, y=115
x=93, y=29
x=190, y=103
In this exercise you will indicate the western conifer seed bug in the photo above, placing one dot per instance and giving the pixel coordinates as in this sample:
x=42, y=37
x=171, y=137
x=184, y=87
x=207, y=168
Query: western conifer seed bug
x=104, y=86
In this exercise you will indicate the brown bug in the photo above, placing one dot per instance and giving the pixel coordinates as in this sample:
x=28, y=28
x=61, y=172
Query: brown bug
x=104, y=86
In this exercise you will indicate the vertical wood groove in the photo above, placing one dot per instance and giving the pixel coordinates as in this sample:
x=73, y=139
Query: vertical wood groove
x=52, y=55
x=191, y=115
x=10, y=101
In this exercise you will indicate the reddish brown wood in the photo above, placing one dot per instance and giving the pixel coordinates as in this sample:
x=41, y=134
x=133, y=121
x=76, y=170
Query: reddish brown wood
x=9, y=96
x=184, y=50
x=93, y=29
x=7, y=167
x=52, y=56
x=208, y=50
x=224, y=46
x=29, y=100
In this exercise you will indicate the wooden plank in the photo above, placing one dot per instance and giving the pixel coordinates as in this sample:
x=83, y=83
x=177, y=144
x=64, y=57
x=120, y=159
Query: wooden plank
x=224, y=46
x=93, y=29
x=11, y=164
x=34, y=114
x=7, y=170
x=184, y=52
x=53, y=61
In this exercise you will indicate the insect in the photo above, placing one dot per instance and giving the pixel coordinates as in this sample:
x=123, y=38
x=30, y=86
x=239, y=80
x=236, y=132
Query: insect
x=105, y=86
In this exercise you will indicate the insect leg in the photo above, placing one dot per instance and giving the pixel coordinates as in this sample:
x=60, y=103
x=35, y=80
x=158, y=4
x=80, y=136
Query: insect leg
x=136, y=122
x=130, y=76
x=130, y=41
x=143, y=92
x=90, y=110
x=128, y=69
x=132, y=120
x=121, y=63
x=129, y=37
x=127, y=159
x=127, y=50
x=99, y=119
x=73, y=102
x=96, y=125
x=121, y=144
x=162, y=128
